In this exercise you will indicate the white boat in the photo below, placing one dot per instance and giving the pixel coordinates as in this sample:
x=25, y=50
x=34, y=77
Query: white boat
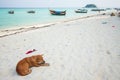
x=81, y=11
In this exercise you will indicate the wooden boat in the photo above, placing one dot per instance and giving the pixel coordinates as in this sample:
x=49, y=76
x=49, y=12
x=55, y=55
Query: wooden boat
x=11, y=12
x=31, y=12
x=98, y=10
x=53, y=12
x=81, y=11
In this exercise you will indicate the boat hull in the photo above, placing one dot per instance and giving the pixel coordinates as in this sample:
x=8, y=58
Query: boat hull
x=53, y=12
x=81, y=11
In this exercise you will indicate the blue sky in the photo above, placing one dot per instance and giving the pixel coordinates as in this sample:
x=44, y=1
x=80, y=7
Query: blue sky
x=58, y=3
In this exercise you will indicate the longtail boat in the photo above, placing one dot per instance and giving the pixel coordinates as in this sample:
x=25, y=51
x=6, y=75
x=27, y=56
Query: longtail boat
x=53, y=12
x=81, y=11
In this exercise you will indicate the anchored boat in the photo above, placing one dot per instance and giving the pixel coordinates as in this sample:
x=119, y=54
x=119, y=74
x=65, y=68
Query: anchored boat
x=81, y=11
x=11, y=12
x=53, y=12
x=31, y=12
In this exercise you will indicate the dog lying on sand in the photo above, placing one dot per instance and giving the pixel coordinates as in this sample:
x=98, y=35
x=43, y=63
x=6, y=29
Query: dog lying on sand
x=24, y=66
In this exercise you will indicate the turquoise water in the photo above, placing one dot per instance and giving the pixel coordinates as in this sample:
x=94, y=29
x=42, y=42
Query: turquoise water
x=42, y=15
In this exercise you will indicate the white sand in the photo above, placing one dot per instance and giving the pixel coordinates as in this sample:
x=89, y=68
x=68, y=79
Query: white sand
x=85, y=49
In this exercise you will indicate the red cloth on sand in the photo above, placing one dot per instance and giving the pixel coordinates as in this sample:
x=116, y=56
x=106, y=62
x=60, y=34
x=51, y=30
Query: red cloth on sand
x=30, y=51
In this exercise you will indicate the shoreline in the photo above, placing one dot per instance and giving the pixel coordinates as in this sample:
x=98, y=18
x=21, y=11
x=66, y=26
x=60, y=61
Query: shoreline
x=13, y=31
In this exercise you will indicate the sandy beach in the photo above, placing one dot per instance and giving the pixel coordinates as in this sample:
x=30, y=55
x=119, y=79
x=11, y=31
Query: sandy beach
x=79, y=49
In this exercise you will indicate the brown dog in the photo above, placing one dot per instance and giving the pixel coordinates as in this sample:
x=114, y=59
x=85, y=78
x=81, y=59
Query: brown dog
x=24, y=65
